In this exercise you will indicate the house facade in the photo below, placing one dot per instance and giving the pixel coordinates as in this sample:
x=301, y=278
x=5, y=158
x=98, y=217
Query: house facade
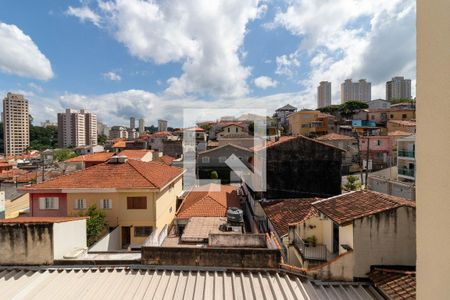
x=139, y=197
x=406, y=158
x=350, y=158
x=354, y=232
x=310, y=123
x=378, y=149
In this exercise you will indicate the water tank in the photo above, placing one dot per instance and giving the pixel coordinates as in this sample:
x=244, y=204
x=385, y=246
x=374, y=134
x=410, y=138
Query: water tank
x=235, y=215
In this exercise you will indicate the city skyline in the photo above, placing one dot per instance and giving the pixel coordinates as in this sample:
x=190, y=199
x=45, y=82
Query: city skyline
x=267, y=57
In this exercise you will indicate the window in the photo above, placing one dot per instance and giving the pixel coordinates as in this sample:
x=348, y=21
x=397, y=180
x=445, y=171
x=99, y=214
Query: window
x=392, y=116
x=372, y=117
x=403, y=116
x=136, y=202
x=222, y=159
x=236, y=129
x=106, y=203
x=228, y=129
x=205, y=159
x=49, y=203
x=142, y=231
x=80, y=204
x=379, y=143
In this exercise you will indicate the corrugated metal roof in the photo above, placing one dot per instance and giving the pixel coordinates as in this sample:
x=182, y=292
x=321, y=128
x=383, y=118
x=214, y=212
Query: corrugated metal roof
x=142, y=283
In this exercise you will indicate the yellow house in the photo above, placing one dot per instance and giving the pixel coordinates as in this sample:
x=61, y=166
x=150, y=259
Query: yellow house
x=232, y=130
x=139, y=197
x=310, y=122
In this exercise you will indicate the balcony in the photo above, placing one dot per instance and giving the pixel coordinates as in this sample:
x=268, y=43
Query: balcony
x=309, y=252
x=405, y=153
x=406, y=172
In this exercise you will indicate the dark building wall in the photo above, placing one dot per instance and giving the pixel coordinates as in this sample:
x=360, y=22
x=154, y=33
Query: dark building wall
x=26, y=244
x=301, y=168
x=212, y=257
x=173, y=148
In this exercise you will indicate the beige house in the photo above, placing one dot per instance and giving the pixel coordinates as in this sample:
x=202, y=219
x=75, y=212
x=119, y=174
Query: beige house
x=353, y=232
x=232, y=131
x=139, y=197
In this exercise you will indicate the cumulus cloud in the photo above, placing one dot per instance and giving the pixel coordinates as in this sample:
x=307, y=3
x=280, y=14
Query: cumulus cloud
x=287, y=64
x=84, y=13
x=116, y=108
x=112, y=76
x=19, y=55
x=206, y=42
x=265, y=82
x=348, y=38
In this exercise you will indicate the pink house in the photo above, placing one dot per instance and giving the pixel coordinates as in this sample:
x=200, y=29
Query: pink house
x=380, y=150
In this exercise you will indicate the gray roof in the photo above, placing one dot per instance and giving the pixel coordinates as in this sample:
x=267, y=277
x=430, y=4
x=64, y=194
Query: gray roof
x=144, y=283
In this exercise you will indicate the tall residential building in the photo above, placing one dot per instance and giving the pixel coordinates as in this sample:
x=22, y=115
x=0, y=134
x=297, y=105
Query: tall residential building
x=398, y=88
x=141, y=126
x=76, y=129
x=162, y=125
x=16, y=122
x=324, y=94
x=356, y=91
x=102, y=129
x=132, y=123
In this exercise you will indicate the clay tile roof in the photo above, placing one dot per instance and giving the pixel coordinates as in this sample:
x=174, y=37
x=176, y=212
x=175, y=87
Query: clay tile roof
x=120, y=144
x=399, y=133
x=128, y=175
x=165, y=159
x=403, y=123
x=283, y=212
x=284, y=139
x=209, y=203
x=93, y=157
x=28, y=220
x=394, y=284
x=135, y=153
x=347, y=207
x=334, y=137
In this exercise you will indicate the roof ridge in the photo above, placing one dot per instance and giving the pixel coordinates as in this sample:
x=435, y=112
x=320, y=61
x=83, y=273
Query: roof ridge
x=140, y=173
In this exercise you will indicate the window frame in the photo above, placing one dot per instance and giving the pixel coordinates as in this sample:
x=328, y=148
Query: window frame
x=46, y=206
x=144, y=232
x=102, y=202
x=83, y=206
x=133, y=204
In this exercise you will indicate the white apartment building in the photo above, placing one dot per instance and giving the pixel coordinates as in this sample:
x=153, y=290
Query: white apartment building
x=358, y=91
x=406, y=158
x=398, y=88
x=16, y=122
x=118, y=132
x=76, y=129
x=324, y=94
x=133, y=123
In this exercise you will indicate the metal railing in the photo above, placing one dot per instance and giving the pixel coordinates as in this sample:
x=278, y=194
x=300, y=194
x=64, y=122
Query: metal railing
x=405, y=153
x=406, y=172
x=317, y=252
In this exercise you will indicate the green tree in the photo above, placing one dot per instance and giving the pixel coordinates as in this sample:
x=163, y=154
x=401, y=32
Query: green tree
x=352, y=184
x=95, y=224
x=101, y=139
x=42, y=138
x=63, y=154
x=214, y=175
x=348, y=108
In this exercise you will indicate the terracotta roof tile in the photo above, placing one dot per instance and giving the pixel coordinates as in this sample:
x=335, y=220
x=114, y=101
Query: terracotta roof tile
x=135, y=153
x=403, y=123
x=24, y=220
x=334, y=137
x=209, y=203
x=165, y=159
x=400, y=133
x=350, y=206
x=93, y=157
x=120, y=144
x=128, y=175
x=283, y=212
x=395, y=284
x=284, y=139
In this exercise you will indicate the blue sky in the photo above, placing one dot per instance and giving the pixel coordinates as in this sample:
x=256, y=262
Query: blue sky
x=152, y=58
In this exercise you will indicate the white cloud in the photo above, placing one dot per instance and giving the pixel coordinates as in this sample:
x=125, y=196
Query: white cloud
x=287, y=64
x=205, y=37
x=36, y=87
x=265, y=82
x=112, y=76
x=84, y=13
x=116, y=108
x=19, y=55
x=353, y=39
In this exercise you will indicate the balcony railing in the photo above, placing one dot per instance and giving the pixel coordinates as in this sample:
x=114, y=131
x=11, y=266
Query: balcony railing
x=406, y=172
x=404, y=153
x=318, y=252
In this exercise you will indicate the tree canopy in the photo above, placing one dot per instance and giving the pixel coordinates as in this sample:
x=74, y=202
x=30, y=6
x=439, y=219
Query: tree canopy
x=345, y=109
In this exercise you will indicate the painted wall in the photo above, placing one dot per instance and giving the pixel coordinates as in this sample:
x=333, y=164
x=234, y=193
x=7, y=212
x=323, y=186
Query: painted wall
x=345, y=237
x=338, y=269
x=26, y=244
x=328, y=234
x=109, y=242
x=37, y=212
x=68, y=236
x=14, y=207
x=387, y=238
x=166, y=202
